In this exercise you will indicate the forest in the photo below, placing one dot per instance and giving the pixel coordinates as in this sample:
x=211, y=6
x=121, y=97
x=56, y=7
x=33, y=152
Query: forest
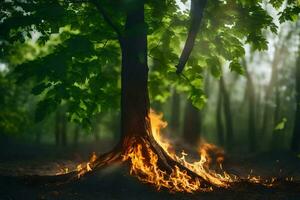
x=149, y=99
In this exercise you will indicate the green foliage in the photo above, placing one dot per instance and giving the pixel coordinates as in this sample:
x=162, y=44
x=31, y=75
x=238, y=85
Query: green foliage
x=281, y=125
x=14, y=115
x=75, y=55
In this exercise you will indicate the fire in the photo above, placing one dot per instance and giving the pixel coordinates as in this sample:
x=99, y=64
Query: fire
x=144, y=164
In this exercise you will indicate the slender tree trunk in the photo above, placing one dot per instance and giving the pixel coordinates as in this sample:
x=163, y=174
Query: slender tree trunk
x=295, y=144
x=269, y=91
x=276, y=137
x=251, y=111
x=38, y=136
x=134, y=93
x=175, y=113
x=227, y=114
x=192, y=124
x=220, y=128
x=76, y=135
x=63, y=131
x=57, y=128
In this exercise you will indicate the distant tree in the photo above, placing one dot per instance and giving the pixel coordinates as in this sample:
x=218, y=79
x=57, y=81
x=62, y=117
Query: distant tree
x=219, y=118
x=175, y=112
x=192, y=125
x=295, y=144
x=230, y=138
x=251, y=96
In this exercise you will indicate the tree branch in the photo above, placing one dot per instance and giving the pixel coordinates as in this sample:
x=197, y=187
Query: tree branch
x=108, y=20
x=196, y=14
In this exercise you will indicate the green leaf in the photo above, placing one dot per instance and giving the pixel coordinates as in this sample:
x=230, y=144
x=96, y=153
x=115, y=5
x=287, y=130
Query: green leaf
x=235, y=66
x=281, y=125
x=215, y=66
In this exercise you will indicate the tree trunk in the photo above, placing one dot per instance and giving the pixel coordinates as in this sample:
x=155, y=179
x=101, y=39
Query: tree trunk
x=251, y=111
x=220, y=128
x=63, y=131
x=295, y=144
x=228, y=115
x=175, y=113
x=76, y=135
x=134, y=93
x=57, y=128
x=192, y=124
x=269, y=91
x=276, y=137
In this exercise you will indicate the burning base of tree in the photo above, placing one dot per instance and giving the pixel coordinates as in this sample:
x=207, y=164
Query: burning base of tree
x=153, y=160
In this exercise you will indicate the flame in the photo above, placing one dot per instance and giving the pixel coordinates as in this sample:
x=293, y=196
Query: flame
x=144, y=164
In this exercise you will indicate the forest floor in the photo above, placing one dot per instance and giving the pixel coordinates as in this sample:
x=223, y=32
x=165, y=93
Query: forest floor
x=114, y=182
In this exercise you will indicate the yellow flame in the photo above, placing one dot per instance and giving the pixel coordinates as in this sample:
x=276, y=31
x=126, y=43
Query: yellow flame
x=147, y=169
x=144, y=165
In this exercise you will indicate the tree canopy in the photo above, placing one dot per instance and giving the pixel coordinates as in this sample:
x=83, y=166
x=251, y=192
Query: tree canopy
x=73, y=47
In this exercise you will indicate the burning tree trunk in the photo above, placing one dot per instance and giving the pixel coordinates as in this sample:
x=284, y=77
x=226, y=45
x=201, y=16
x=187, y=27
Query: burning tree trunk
x=152, y=158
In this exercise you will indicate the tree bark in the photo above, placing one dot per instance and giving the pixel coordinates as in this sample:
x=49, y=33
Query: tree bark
x=192, y=124
x=134, y=93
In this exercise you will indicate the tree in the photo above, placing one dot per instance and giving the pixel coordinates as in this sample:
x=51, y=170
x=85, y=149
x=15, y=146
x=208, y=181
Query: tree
x=76, y=43
x=175, y=112
x=295, y=144
x=192, y=125
x=227, y=114
x=219, y=121
x=250, y=91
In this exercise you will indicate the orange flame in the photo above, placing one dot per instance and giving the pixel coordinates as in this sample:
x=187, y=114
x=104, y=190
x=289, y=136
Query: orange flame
x=144, y=165
x=148, y=170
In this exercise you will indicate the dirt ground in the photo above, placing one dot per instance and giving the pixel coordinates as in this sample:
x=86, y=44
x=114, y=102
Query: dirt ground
x=114, y=182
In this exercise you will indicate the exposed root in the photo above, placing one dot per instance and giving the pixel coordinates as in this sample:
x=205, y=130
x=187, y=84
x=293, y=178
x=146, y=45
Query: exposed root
x=162, y=170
